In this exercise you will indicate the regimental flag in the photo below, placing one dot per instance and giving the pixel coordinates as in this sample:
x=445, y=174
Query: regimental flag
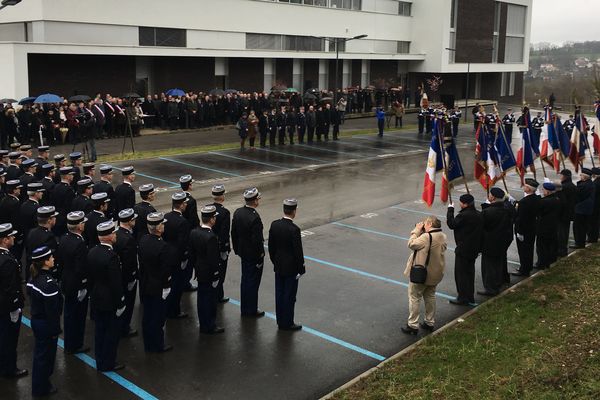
x=434, y=164
x=506, y=157
x=494, y=172
x=550, y=146
x=563, y=138
x=454, y=169
x=481, y=155
x=578, y=141
x=525, y=155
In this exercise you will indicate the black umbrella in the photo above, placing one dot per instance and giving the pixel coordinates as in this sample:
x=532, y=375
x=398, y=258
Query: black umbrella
x=26, y=100
x=230, y=91
x=217, y=92
x=313, y=91
x=327, y=100
x=80, y=97
x=132, y=95
x=283, y=101
x=309, y=96
x=4, y=101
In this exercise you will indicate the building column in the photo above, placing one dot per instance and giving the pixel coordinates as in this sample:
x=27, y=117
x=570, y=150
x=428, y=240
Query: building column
x=323, y=72
x=365, y=73
x=346, y=73
x=221, y=72
x=403, y=74
x=269, y=74
x=14, y=72
x=143, y=71
x=297, y=73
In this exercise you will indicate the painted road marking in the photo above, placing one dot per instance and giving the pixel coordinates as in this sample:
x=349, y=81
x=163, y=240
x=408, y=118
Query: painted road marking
x=332, y=151
x=199, y=166
x=151, y=177
x=248, y=160
x=294, y=155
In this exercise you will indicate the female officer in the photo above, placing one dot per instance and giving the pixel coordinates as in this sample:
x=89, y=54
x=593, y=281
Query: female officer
x=46, y=307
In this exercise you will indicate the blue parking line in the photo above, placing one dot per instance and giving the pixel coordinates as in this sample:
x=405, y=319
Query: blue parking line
x=293, y=155
x=325, y=336
x=152, y=177
x=125, y=383
x=199, y=166
x=417, y=212
x=392, y=141
x=248, y=160
x=332, y=151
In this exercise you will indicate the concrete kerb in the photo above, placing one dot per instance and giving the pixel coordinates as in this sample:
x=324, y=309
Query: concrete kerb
x=418, y=343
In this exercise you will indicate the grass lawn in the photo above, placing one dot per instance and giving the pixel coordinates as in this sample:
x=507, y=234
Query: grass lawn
x=541, y=341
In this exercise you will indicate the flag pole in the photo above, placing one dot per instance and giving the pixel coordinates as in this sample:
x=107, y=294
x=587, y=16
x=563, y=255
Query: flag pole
x=443, y=148
x=501, y=130
x=562, y=157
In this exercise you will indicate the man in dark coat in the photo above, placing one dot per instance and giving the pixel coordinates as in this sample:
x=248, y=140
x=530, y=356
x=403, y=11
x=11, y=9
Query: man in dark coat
x=547, y=226
x=9, y=213
x=468, y=231
x=584, y=207
x=311, y=123
x=191, y=210
x=525, y=226
x=28, y=210
x=125, y=193
x=104, y=185
x=285, y=251
x=595, y=217
x=47, y=181
x=142, y=209
x=41, y=235
x=126, y=248
x=95, y=217
x=301, y=123
x=62, y=198
x=221, y=228
x=82, y=201
x=568, y=198
x=28, y=167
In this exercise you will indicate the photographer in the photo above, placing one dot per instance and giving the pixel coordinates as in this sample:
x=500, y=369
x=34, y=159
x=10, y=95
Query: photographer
x=429, y=244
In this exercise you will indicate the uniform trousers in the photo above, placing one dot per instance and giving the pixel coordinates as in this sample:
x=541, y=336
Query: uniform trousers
x=421, y=125
x=525, y=249
x=564, y=228
x=508, y=130
x=492, y=272
x=464, y=276
x=272, y=135
x=206, y=306
x=44, y=355
x=153, y=322
x=301, y=131
x=281, y=136
x=178, y=284
x=106, y=340
x=593, y=227
x=74, y=322
x=580, y=229
x=311, y=134
x=336, y=131
x=251, y=276
x=263, y=137
x=326, y=131
x=547, y=249
x=454, y=129
x=291, y=132
x=416, y=292
x=286, y=288
x=220, y=293
x=128, y=313
x=9, y=339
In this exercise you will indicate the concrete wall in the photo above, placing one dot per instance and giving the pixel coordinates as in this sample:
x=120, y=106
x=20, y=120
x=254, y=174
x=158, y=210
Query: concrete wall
x=14, y=32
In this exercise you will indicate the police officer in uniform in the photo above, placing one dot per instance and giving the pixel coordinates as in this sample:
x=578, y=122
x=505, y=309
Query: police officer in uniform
x=222, y=229
x=584, y=208
x=28, y=167
x=568, y=198
x=204, y=256
x=14, y=171
x=547, y=226
x=143, y=208
x=525, y=226
x=82, y=201
x=71, y=259
x=62, y=198
x=11, y=304
x=105, y=185
x=89, y=170
x=191, y=210
x=421, y=120
x=285, y=251
x=9, y=213
x=595, y=218
x=455, y=119
x=75, y=158
x=41, y=235
x=537, y=124
x=47, y=180
x=124, y=192
x=28, y=210
x=59, y=162
x=126, y=248
x=156, y=264
x=46, y=307
x=107, y=299
x=248, y=242
x=95, y=217
x=507, y=122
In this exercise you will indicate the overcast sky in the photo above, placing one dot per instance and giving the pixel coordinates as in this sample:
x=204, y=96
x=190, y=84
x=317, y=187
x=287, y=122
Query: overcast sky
x=557, y=21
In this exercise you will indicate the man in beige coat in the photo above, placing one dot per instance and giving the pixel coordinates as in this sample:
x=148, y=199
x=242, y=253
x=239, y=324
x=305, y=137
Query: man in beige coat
x=419, y=244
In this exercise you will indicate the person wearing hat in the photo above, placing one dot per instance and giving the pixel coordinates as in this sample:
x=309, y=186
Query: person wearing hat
x=89, y=170
x=14, y=171
x=42, y=234
x=76, y=162
x=125, y=193
x=47, y=181
x=46, y=306
x=11, y=304
x=62, y=198
x=285, y=251
x=547, y=226
x=28, y=210
x=2, y=182
x=59, y=162
x=156, y=265
x=204, y=256
x=26, y=150
x=468, y=230
x=107, y=297
x=126, y=248
x=9, y=213
x=507, y=123
x=28, y=167
x=71, y=257
x=3, y=158
x=95, y=217
x=42, y=158
x=594, y=228
x=248, y=242
x=538, y=124
x=525, y=226
x=177, y=235
x=83, y=201
x=497, y=236
x=191, y=210
x=568, y=198
x=584, y=208
x=222, y=229
x=143, y=208
x=105, y=185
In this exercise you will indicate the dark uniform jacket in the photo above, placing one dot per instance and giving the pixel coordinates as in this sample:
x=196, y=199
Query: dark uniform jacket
x=285, y=248
x=9, y=210
x=142, y=209
x=48, y=185
x=124, y=197
x=104, y=186
x=191, y=211
x=46, y=301
x=497, y=229
x=468, y=231
x=28, y=216
x=82, y=203
x=11, y=293
x=177, y=235
x=222, y=227
x=104, y=272
x=71, y=259
x=126, y=248
x=548, y=215
x=247, y=234
x=156, y=264
x=13, y=172
x=526, y=215
x=568, y=196
x=204, y=254
x=25, y=180
x=90, y=233
x=585, y=198
x=62, y=198
x=38, y=237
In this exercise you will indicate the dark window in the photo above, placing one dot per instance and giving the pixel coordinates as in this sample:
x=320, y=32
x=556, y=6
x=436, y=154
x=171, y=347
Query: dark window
x=404, y=8
x=165, y=37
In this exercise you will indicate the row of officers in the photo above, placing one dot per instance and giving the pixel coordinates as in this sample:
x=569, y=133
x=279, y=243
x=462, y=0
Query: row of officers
x=98, y=264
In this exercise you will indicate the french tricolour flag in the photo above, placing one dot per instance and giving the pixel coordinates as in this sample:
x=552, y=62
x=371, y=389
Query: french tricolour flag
x=434, y=164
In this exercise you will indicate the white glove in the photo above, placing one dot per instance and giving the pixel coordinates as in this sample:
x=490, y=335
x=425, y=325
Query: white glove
x=511, y=199
x=81, y=295
x=165, y=293
x=259, y=266
x=547, y=180
x=298, y=277
x=120, y=311
x=131, y=285
x=215, y=284
x=487, y=201
x=520, y=237
x=184, y=264
x=451, y=205
x=224, y=255
x=14, y=315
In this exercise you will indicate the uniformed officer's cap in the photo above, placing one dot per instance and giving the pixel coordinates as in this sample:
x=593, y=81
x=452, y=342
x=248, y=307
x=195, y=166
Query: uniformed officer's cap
x=218, y=190
x=14, y=183
x=209, y=211
x=179, y=197
x=7, y=230
x=41, y=253
x=147, y=188
x=47, y=167
x=290, y=204
x=43, y=149
x=23, y=157
x=85, y=183
x=127, y=215
x=466, y=198
x=13, y=155
x=532, y=182
x=3, y=153
x=15, y=146
x=58, y=158
x=251, y=194
x=186, y=179
x=156, y=218
x=66, y=171
x=76, y=217
x=101, y=197
x=25, y=147
x=128, y=170
x=596, y=171
x=46, y=212
x=35, y=187
x=76, y=155
x=106, y=169
x=586, y=171
x=105, y=228
x=89, y=165
x=29, y=163
x=2, y=172
x=566, y=172
x=549, y=186
x=497, y=192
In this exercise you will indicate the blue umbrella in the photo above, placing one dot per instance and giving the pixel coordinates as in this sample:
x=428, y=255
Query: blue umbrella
x=48, y=98
x=175, y=92
x=26, y=100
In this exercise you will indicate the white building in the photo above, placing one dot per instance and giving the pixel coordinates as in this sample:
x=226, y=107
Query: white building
x=69, y=46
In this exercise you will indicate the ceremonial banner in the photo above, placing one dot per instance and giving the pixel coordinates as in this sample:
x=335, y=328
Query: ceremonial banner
x=525, y=155
x=434, y=164
x=453, y=167
x=578, y=141
x=506, y=156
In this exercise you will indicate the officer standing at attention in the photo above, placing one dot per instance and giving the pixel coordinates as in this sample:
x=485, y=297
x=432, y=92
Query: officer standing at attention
x=568, y=198
x=248, y=242
x=584, y=208
x=89, y=170
x=108, y=301
x=28, y=210
x=222, y=229
x=142, y=209
x=71, y=259
x=125, y=193
x=9, y=213
x=46, y=307
x=507, y=122
x=525, y=226
x=468, y=231
x=42, y=158
x=156, y=264
x=594, y=228
x=28, y=167
x=285, y=251
x=76, y=162
x=191, y=210
x=41, y=235
x=421, y=120
x=95, y=217
x=455, y=119
x=59, y=162
x=105, y=185
x=11, y=305
x=47, y=181
x=537, y=124
x=547, y=226
x=204, y=256
x=126, y=248
x=62, y=198
x=82, y=201
x=177, y=236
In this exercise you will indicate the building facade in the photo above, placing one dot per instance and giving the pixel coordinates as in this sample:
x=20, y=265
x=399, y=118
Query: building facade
x=71, y=47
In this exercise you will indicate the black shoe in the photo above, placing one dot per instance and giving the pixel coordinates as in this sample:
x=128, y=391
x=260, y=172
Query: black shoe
x=292, y=327
x=215, y=331
x=82, y=349
x=168, y=347
x=519, y=273
x=457, y=302
x=19, y=373
x=486, y=293
x=224, y=300
x=409, y=331
x=181, y=315
x=257, y=314
x=130, y=334
x=118, y=367
x=429, y=328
